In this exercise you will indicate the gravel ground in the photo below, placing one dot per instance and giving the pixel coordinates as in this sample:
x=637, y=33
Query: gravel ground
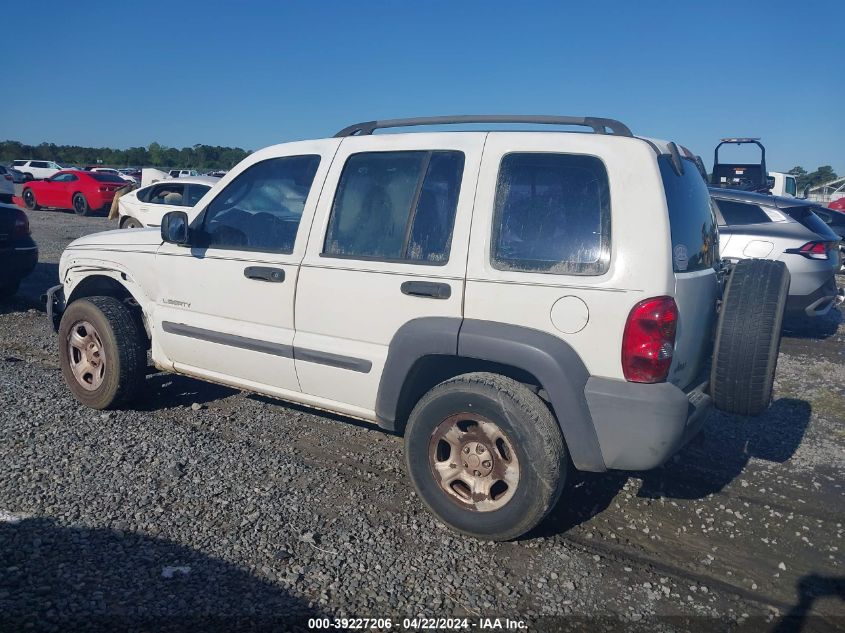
x=204, y=507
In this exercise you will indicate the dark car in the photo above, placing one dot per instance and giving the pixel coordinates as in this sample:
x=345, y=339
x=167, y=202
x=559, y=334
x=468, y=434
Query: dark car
x=18, y=252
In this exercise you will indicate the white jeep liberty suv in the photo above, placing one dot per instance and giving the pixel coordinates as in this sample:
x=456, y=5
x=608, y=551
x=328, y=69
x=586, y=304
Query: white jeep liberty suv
x=513, y=302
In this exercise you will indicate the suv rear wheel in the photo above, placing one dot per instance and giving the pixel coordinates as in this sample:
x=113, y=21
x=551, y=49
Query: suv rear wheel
x=102, y=352
x=485, y=455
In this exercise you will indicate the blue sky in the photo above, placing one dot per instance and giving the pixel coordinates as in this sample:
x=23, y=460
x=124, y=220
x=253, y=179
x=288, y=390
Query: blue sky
x=251, y=74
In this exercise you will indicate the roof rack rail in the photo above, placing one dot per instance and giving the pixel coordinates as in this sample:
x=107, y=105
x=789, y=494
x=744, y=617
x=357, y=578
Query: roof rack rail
x=599, y=125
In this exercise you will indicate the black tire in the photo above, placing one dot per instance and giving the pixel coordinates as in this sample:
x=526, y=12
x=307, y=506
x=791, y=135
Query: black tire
x=123, y=348
x=131, y=223
x=748, y=336
x=531, y=431
x=29, y=200
x=9, y=289
x=80, y=205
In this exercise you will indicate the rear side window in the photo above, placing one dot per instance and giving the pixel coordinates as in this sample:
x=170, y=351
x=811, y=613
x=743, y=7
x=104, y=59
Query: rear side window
x=552, y=214
x=742, y=213
x=396, y=206
x=695, y=238
x=38, y=164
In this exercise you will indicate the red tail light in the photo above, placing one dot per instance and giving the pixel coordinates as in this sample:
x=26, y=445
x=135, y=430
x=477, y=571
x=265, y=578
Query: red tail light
x=8, y=176
x=649, y=340
x=813, y=250
x=21, y=226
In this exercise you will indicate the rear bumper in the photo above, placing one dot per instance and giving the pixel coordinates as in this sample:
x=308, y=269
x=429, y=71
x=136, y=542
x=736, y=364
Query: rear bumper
x=17, y=262
x=640, y=426
x=817, y=303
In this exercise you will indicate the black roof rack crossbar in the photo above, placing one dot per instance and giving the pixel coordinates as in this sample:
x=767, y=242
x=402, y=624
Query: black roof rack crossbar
x=599, y=125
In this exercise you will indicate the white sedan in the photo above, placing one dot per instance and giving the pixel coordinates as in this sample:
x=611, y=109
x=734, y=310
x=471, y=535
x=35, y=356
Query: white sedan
x=147, y=206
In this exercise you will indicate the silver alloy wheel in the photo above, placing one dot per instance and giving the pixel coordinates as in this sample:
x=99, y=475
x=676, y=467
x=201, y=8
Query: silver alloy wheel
x=86, y=355
x=473, y=461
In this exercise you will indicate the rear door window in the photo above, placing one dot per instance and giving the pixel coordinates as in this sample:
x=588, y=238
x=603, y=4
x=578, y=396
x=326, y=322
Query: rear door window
x=552, y=214
x=742, y=213
x=396, y=206
x=695, y=237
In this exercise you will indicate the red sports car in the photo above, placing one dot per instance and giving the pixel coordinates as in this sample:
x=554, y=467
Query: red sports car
x=82, y=191
x=839, y=204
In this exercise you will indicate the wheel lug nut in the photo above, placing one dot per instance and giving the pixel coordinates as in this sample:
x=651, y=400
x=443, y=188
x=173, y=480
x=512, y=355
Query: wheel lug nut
x=479, y=449
x=466, y=450
x=476, y=473
x=486, y=463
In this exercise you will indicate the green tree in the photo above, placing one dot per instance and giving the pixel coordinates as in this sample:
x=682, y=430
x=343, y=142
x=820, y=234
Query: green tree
x=155, y=155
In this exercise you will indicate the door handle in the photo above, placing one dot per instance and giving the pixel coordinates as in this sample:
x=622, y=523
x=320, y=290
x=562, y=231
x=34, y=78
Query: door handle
x=430, y=289
x=264, y=273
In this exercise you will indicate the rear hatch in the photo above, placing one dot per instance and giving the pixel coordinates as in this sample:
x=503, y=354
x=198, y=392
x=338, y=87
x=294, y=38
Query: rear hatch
x=808, y=219
x=695, y=253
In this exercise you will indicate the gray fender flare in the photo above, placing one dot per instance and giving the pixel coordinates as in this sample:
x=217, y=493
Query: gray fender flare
x=551, y=360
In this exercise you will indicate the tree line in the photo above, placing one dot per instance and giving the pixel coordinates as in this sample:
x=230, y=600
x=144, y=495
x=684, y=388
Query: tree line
x=803, y=178
x=200, y=157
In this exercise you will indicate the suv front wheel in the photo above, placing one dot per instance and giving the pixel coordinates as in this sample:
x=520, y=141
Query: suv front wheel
x=485, y=455
x=102, y=352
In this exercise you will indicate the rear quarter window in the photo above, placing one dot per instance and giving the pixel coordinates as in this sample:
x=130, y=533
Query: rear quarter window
x=552, y=215
x=736, y=213
x=695, y=236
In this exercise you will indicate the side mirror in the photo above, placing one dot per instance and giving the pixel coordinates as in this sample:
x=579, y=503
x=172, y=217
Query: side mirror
x=174, y=228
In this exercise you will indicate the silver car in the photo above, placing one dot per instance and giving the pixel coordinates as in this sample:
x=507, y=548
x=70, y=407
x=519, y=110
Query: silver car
x=756, y=226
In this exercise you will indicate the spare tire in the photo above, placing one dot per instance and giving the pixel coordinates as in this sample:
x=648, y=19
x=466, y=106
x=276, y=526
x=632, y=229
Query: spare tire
x=745, y=353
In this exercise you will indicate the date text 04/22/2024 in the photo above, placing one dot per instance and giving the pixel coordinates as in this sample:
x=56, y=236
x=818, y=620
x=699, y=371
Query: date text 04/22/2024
x=417, y=624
